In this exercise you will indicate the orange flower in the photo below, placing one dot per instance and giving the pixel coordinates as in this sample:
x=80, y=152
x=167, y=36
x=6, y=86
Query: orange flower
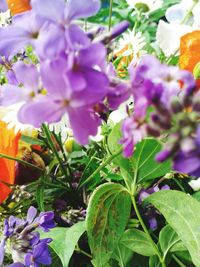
x=18, y=6
x=189, y=50
x=9, y=146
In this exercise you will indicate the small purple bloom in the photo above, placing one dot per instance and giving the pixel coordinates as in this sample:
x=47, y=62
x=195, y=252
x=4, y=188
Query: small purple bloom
x=40, y=255
x=46, y=221
x=188, y=161
x=132, y=133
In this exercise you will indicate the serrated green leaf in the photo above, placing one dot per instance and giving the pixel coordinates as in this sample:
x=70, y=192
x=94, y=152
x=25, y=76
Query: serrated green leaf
x=182, y=212
x=107, y=216
x=65, y=240
x=138, y=242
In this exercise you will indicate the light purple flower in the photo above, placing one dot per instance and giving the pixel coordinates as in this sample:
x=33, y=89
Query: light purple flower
x=132, y=133
x=74, y=86
x=26, y=75
x=3, y=6
x=188, y=161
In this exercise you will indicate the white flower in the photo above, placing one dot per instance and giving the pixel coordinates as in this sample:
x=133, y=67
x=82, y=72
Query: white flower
x=168, y=36
x=9, y=115
x=5, y=18
x=120, y=113
x=134, y=41
x=150, y=4
x=195, y=184
x=169, y=33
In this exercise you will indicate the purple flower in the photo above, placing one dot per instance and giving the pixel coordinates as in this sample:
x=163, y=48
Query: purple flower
x=156, y=84
x=2, y=250
x=25, y=240
x=74, y=85
x=39, y=255
x=132, y=133
x=187, y=160
x=3, y=6
x=149, y=212
x=26, y=75
x=46, y=221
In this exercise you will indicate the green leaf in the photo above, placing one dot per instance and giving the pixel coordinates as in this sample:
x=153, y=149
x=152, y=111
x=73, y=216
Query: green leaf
x=167, y=239
x=31, y=140
x=144, y=162
x=123, y=254
x=65, y=240
x=154, y=261
x=107, y=216
x=182, y=213
x=138, y=242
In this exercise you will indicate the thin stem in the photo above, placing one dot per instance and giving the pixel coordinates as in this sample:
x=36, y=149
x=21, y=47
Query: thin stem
x=104, y=164
x=78, y=249
x=21, y=161
x=178, y=261
x=54, y=150
x=110, y=15
x=147, y=232
x=179, y=185
x=120, y=256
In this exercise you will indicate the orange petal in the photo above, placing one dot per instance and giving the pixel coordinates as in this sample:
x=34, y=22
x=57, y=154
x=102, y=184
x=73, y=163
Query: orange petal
x=9, y=146
x=18, y=6
x=189, y=50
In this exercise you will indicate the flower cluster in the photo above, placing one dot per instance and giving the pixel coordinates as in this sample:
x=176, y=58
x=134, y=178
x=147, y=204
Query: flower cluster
x=174, y=103
x=26, y=246
x=71, y=75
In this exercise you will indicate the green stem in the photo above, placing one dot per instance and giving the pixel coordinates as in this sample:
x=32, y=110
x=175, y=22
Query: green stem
x=120, y=256
x=132, y=194
x=147, y=232
x=189, y=13
x=179, y=185
x=178, y=261
x=21, y=161
x=104, y=164
x=54, y=150
x=110, y=15
x=78, y=249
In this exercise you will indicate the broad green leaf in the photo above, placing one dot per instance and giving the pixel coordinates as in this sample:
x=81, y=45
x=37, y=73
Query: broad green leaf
x=138, y=242
x=107, y=216
x=65, y=240
x=144, y=162
x=167, y=239
x=182, y=212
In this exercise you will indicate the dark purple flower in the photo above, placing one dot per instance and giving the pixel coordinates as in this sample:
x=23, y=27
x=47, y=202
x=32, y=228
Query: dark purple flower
x=39, y=255
x=149, y=212
x=16, y=264
x=46, y=220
